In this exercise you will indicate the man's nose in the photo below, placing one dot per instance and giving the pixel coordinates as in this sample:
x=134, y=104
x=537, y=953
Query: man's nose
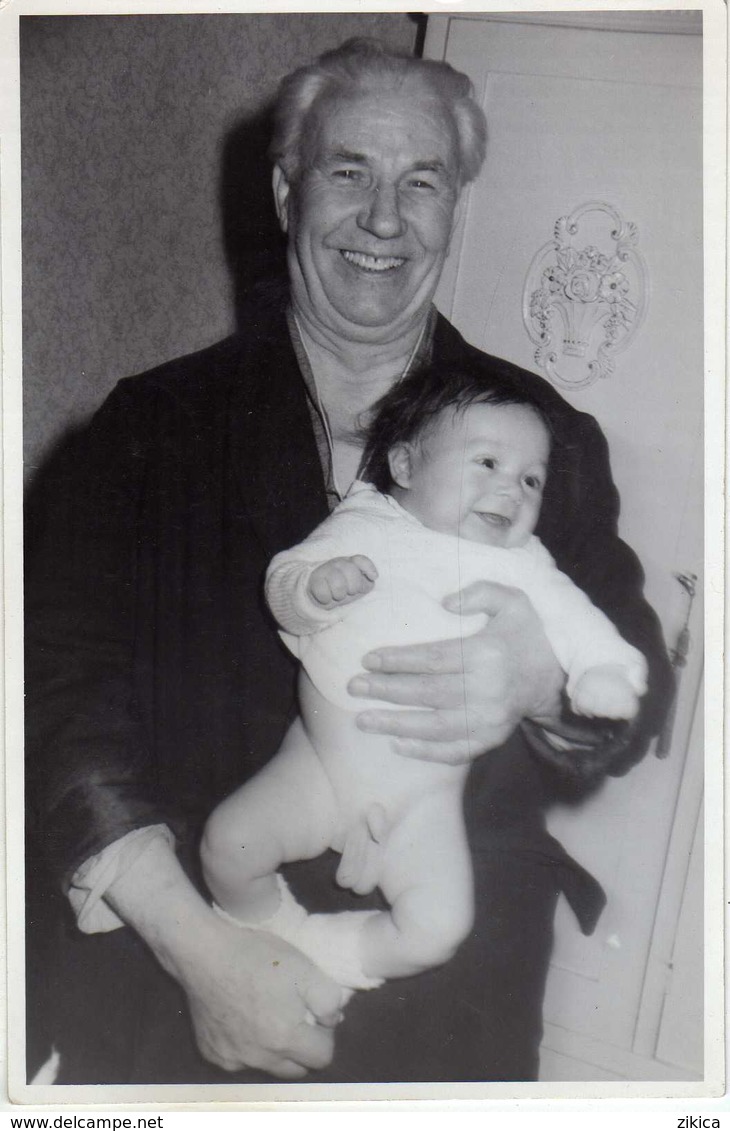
x=381, y=213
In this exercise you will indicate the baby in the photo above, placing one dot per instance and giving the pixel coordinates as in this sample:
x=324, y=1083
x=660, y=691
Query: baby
x=455, y=466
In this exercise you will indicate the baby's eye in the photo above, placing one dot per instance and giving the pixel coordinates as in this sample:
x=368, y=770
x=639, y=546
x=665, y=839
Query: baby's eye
x=488, y=461
x=533, y=482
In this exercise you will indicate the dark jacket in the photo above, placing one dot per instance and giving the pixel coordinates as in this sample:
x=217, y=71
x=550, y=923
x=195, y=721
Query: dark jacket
x=156, y=681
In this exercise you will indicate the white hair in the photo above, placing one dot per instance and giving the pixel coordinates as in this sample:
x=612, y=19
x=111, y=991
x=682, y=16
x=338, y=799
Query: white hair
x=361, y=65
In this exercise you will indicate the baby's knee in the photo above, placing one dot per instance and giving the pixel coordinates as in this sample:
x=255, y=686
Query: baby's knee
x=218, y=840
x=224, y=845
x=434, y=931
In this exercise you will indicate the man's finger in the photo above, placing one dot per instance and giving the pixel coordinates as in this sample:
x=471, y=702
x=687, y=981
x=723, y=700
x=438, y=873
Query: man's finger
x=312, y=1045
x=323, y=998
x=439, y=692
x=441, y=657
x=434, y=726
x=281, y=1067
x=261, y=1060
x=452, y=753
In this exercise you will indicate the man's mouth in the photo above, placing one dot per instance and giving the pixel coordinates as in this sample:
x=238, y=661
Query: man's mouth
x=375, y=263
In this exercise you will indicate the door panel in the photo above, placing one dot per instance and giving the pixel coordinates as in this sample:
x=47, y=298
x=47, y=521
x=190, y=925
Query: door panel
x=578, y=115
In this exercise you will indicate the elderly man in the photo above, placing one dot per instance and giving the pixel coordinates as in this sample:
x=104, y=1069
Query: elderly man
x=156, y=681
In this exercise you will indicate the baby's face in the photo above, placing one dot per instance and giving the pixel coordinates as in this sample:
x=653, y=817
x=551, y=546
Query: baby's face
x=478, y=473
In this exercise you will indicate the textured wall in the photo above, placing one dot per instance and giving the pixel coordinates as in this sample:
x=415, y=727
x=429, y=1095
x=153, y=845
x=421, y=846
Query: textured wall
x=144, y=183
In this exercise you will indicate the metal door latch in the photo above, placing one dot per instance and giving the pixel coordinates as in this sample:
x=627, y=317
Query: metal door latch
x=678, y=656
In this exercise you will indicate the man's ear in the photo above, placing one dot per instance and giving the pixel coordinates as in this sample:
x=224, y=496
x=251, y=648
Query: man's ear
x=282, y=189
x=400, y=462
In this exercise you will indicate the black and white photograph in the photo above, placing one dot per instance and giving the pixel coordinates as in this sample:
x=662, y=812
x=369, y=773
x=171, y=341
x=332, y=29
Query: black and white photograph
x=367, y=365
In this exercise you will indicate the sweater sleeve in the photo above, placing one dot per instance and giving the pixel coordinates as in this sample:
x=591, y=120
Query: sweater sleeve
x=581, y=636
x=579, y=526
x=288, y=598
x=351, y=529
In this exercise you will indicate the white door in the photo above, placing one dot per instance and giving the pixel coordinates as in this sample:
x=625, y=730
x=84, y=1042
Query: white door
x=579, y=115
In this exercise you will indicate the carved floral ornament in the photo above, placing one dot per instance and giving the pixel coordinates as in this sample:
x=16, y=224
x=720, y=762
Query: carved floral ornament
x=582, y=303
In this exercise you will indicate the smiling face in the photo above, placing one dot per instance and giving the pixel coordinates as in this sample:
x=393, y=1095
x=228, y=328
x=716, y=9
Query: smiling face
x=370, y=219
x=477, y=473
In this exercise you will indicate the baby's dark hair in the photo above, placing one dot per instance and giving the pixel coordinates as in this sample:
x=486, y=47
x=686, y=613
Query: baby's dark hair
x=407, y=409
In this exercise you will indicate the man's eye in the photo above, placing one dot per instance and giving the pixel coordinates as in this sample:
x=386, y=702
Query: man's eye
x=420, y=183
x=352, y=175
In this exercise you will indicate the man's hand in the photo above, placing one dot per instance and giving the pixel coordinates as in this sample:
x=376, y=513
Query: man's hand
x=477, y=688
x=255, y=1001
x=341, y=580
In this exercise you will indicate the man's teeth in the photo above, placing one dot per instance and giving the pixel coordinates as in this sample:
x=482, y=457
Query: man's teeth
x=373, y=262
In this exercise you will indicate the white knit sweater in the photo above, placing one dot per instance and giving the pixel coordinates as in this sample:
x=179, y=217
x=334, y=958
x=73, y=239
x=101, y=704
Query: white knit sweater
x=417, y=568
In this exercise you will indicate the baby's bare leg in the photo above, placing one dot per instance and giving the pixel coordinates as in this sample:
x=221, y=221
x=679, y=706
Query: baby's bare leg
x=427, y=879
x=286, y=812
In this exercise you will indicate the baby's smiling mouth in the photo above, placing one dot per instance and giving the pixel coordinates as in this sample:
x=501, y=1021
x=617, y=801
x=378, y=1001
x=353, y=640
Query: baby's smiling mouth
x=494, y=519
x=376, y=264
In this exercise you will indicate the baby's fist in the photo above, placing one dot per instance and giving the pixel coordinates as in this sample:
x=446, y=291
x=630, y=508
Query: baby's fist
x=342, y=580
x=605, y=692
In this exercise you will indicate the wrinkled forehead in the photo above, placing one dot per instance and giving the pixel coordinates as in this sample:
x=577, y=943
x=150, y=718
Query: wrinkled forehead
x=370, y=119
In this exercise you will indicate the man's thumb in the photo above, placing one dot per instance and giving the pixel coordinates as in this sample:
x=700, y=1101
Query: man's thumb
x=324, y=999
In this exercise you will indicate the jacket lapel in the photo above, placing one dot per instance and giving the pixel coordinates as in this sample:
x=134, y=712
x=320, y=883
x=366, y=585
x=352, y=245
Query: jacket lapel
x=276, y=460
